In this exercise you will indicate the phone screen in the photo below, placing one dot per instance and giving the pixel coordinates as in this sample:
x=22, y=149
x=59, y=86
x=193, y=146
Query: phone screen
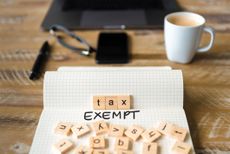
x=112, y=48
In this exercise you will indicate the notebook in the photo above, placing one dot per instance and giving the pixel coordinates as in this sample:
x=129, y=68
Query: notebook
x=157, y=95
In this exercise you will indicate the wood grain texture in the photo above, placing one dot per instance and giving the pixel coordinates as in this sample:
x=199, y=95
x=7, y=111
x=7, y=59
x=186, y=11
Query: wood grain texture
x=206, y=79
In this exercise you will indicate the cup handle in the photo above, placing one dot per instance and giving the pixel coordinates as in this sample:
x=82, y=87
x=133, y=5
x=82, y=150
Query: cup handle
x=211, y=31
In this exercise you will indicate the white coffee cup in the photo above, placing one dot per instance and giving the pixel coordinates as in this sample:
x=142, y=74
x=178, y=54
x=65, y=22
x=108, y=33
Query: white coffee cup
x=182, y=34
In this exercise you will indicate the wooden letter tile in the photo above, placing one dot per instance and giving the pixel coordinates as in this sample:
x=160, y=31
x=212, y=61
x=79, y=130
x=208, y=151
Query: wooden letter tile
x=178, y=133
x=80, y=129
x=79, y=150
x=83, y=150
x=165, y=128
x=151, y=135
x=149, y=148
x=111, y=102
x=88, y=151
x=124, y=152
x=101, y=151
x=134, y=132
x=97, y=142
x=63, y=146
x=116, y=130
x=99, y=102
x=63, y=128
x=124, y=102
x=122, y=143
x=181, y=148
x=100, y=127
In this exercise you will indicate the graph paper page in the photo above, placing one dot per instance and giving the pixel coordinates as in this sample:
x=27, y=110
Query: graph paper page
x=157, y=95
x=148, y=87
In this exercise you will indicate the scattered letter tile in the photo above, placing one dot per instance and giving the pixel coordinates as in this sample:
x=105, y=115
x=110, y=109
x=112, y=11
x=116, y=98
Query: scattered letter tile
x=116, y=130
x=80, y=129
x=151, y=135
x=124, y=152
x=83, y=150
x=122, y=143
x=149, y=148
x=97, y=142
x=181, y=148
x=165, y=128
x=63, y=128
x=124, y=102
x=101, y=151
x=178, y=133
x=63, y=146
x=134, y=132
x=100, y=127
x=99, y=102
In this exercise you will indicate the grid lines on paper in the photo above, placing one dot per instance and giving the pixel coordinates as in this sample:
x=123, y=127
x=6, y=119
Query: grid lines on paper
x=149, y=88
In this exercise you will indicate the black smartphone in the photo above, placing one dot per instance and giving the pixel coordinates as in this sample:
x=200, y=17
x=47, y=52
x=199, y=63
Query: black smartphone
x=112, y=48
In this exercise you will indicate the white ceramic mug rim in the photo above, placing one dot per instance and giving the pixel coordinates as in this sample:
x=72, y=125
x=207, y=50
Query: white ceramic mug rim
x=200, y=18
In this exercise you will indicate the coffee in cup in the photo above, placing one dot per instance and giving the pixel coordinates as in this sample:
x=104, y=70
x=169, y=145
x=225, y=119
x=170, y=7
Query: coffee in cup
x=182, y=34
x=183, y=21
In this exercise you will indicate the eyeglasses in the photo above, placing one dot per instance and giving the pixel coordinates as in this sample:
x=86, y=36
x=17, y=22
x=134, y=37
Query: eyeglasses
x=58, y=28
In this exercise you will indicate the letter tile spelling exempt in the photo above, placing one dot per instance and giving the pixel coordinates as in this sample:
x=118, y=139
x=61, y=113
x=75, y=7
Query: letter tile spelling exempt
x=97, y=142
x=63, y=146
x=134, y=132
x=100, y=127
x=80, y=130
x=63, y=128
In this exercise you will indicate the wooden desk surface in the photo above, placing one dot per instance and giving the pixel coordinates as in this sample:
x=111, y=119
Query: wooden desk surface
x=206, y=79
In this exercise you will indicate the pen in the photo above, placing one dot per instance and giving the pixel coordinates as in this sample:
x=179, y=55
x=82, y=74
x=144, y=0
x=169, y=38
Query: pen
x=40, y=61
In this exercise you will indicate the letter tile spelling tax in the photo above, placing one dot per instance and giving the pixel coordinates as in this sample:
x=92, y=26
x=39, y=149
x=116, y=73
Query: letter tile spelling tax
x=99, y=102
x=111, y=103
x=124, y=102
